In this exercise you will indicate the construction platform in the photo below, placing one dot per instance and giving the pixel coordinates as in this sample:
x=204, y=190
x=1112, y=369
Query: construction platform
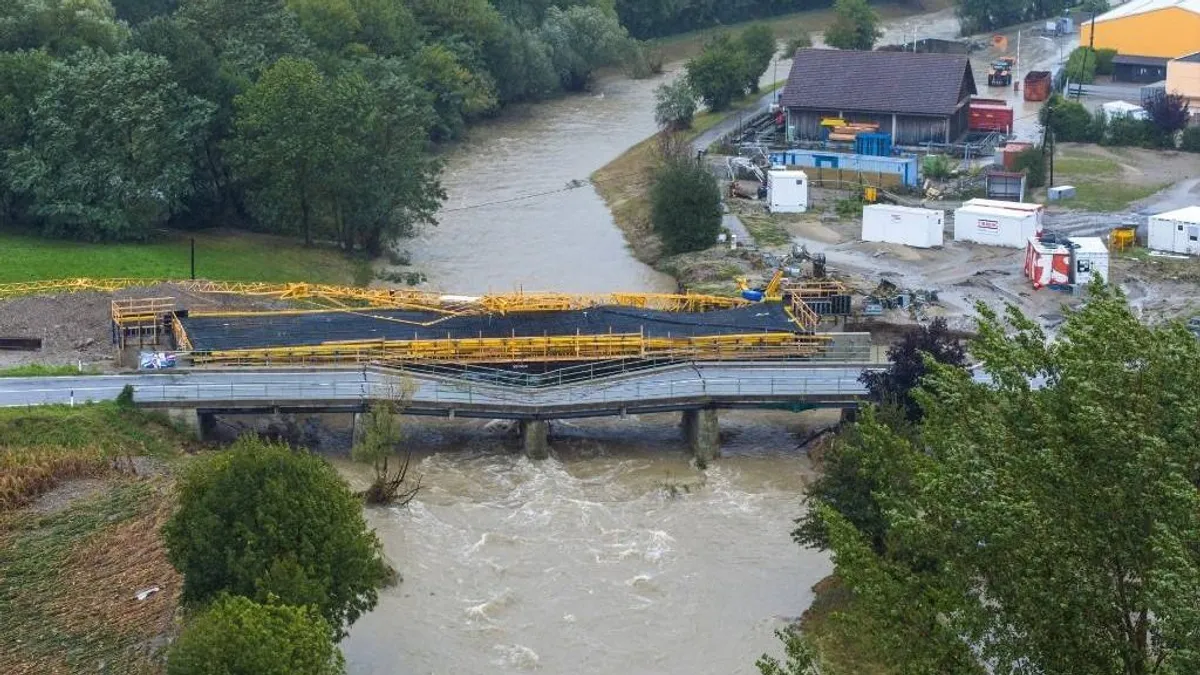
x=600, y=332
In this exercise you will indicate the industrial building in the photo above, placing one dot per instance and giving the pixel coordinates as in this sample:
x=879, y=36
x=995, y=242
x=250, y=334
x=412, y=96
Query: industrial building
x=1183, y=78
x=1155, y=29
x=917, y=98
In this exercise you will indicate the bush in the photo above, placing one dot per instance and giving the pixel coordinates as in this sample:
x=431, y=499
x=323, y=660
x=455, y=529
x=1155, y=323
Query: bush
x=855, y=26
x=758, y=47
x=1169, y=113
x=675, y=105
x=1069, y=120
x=936, y=167
x=642, y=61
x=685, y=205
x=1191, y=140
x=125, y=398
x=1128, y=131
x=1033, y=162
x=1104, y=61
x=262, y=521
x=1081, y=66
x=801, y=41
x=239, y=636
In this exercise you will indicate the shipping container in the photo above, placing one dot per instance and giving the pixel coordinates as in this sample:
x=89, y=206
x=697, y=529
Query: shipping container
x=922, y=228
x=1037, y=85
x=873, y=144
x=1038, y=210
x=987, y=116
x=995, y=227
x=1059, y=193
x=903, y=168
x=787, y=191
x=1175, y=231
x=1089, y=257
x=1047, y=263
x=1008, y=153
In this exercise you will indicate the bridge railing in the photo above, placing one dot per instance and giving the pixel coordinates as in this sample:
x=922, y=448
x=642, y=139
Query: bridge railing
x=831, y=383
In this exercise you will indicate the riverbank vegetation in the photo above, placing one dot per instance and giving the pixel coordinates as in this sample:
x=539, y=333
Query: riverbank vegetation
x=1006, y=528
x=308, y=119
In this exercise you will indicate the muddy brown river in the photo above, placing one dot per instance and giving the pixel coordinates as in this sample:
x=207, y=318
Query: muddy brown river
x=588, y=562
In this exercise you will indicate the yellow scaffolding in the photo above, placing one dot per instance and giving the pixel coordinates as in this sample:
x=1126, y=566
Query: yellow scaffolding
x=141, y=318
x=527, y=349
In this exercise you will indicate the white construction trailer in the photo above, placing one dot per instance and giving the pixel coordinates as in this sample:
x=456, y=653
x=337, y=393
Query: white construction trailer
x=995, y=227
x=787, y=191
x=1175, y=231
x=921, y=228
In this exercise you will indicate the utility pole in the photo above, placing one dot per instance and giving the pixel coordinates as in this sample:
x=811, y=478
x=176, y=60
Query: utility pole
x=1083, y=61
x=193, y=258
x=1052, y=148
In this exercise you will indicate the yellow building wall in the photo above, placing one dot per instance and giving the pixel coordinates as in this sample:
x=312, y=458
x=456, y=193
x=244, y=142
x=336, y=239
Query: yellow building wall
x=1165, y=33
x=1183, y=77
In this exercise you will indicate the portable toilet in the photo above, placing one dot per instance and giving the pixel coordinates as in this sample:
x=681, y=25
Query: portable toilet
x=787, y=191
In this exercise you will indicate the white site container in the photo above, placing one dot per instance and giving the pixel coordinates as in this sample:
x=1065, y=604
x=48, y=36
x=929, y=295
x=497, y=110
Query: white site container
x=922, y=228
x=995, y=227
x=1175, y=231
x=1024, y=207
x=1089, y=256
x=787, y=191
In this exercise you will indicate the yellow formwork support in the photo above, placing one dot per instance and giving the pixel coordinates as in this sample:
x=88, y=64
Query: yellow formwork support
x=527, y=349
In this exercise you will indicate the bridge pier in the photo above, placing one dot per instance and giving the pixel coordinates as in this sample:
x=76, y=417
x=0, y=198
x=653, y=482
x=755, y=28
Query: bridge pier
x=535, y=438
x=702, y=431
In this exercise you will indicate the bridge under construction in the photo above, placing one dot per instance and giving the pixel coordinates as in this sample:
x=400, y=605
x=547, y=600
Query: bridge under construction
x=531, y=357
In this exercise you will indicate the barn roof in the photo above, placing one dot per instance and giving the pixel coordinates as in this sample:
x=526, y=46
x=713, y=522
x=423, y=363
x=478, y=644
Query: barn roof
x=884, y=82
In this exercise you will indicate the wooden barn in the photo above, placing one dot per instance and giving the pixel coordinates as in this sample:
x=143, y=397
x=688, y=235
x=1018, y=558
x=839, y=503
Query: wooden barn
x=918, y=98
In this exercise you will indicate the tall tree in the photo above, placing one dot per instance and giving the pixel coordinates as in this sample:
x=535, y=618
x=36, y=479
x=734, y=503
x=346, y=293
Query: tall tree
x=60, y=26
x=855, y=26
x=23, y=78
x=581, y=40
x=718, y=73
x=685, y=204
x=237, y=636
x=1062, y=522
x=758, y=46
x=269, y=523
x=112, y=145
x=282, y=145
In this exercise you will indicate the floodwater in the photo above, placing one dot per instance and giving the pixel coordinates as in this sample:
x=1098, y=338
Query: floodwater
x=512, y=220
x=587, y=562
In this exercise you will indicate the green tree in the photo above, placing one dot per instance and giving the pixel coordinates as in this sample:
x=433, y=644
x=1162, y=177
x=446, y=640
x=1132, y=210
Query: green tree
x=581, y=40
x=110, y=155
x=1191, y=140
x=855, y=26
x=800, y=655
x=282, y=145
x=60, y=26
x=758, y=45
x=377, y=445
x=23, y=78
x=1069, y=120
x=265, y=522
x=237, y=636
x=685, y=205
x=799, y=41
x=717, y=74
x=135, y=12
x=1033, y=162
x=675, y=105
x=1062, y=522
x=460, y=94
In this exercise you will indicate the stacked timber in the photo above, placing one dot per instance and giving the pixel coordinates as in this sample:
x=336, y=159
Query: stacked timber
x=851, y=130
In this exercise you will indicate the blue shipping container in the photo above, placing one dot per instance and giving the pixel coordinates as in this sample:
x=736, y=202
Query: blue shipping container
x=905, y=167
x=876, y=145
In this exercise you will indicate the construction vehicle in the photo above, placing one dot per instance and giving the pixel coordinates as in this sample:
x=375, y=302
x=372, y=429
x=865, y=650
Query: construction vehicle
x=1000, y=72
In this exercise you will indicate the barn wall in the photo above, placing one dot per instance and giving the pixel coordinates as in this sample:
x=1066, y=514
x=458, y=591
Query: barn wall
x=910, y=129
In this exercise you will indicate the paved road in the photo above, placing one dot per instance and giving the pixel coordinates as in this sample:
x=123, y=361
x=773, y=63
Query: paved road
x=671, y=387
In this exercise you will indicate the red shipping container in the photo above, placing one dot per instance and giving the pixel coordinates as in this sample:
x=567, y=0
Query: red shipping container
x=1037, y=85
x=1047, y=264
x=988, y=116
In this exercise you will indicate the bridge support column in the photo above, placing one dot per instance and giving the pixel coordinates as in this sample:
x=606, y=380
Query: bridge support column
x=535, y=438
x=190, y=421
x=702, y=431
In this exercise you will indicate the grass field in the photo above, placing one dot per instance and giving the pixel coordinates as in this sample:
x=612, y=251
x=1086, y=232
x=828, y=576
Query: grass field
x=225, y=256
x=79, y=537
x=44, y=370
